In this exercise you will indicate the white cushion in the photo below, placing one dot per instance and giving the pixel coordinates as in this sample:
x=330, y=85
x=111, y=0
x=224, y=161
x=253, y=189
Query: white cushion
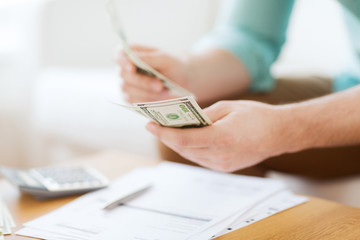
x=74, y=104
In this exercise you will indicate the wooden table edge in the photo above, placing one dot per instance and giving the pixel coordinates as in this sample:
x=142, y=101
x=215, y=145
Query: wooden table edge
x=315, y=219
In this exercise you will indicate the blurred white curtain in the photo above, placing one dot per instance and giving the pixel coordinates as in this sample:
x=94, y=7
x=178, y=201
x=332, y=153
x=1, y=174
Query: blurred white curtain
x=18, y=67
x=57, y=49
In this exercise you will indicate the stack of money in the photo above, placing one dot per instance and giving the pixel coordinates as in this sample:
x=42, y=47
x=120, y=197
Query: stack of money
x=6, y=220
x=177, y=113
x=141, y=66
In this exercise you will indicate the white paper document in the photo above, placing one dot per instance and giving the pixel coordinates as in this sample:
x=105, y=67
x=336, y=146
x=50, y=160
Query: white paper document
x=184, y=202
x=6, y=220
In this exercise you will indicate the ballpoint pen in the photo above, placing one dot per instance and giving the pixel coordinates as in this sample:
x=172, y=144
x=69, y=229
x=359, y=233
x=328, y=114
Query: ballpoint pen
x=128, y=197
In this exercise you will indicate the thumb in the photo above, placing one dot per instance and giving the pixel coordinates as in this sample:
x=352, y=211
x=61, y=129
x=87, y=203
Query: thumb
x=142, y=48
x=155, y=59
x=218, y=111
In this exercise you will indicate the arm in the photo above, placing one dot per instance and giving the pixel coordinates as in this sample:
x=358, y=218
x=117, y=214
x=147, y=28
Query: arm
x=329, y=121
x=235, y=57
x=211, y=75
x=253, y=31
x=245, y=133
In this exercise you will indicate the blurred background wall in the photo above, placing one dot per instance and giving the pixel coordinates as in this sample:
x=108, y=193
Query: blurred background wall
x=57, y=73
x=19, y=24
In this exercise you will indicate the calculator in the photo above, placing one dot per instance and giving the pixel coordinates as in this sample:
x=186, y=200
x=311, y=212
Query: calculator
x=55, y=181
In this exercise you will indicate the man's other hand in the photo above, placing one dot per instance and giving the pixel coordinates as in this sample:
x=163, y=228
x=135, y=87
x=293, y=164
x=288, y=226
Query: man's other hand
x=244, y=133
x=140, y=87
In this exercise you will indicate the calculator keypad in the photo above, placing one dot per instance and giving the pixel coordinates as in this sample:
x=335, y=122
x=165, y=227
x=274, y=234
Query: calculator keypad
x=68, y=178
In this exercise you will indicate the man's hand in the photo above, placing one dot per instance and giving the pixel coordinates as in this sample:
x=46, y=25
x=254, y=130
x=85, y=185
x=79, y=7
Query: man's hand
x=211, y=75
x=243, y=134
x=143, y=88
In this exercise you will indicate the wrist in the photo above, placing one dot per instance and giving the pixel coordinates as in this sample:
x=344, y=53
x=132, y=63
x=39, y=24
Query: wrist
x=194, y=78
x=191, y=68
x=295, y=130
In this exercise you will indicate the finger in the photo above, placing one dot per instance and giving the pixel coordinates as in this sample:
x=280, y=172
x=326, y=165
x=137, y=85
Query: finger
x=124, y=63
x=207, y=158
x=185, y=138
x=157, y=60
x=197, y=156
x=136, y=94
x=207, y=163
x=143, y=81
x=151, y=56
x=218, y=110
x=141, y=48
x=119, y=53
x=194, y=153
x=202, y=161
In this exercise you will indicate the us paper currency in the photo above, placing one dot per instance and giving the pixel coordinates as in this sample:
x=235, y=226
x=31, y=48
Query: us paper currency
x=142, y=67
x=6, y=220
x=176, y=113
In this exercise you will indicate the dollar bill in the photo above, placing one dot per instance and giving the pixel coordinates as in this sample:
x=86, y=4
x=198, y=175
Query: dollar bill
x=141, y=66
x=177, y=113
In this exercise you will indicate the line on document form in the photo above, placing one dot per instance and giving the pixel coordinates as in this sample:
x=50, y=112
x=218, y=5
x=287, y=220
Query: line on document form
x=78, y=229
x=170, y=214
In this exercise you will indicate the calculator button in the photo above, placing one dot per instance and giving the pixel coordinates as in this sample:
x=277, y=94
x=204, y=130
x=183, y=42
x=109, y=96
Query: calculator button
x=69, y=178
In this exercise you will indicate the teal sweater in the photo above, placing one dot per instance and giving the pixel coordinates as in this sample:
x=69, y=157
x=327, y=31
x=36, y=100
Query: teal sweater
x=255, y=31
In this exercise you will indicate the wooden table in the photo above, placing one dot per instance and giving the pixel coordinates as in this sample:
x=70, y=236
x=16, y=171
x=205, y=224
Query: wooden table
x=315, y=220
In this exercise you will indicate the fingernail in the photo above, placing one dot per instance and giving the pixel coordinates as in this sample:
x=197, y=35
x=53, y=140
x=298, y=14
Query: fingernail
x=150, y=127
x=128, y=67
x=126, y=97
x=164, y=93
x=156, y=86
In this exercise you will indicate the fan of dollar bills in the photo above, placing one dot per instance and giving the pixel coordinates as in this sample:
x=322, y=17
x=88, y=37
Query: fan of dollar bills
x=177, y=112
x=6, y=220
x=142, y=67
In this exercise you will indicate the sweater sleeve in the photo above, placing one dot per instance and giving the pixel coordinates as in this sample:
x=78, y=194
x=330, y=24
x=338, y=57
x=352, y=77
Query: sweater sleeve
x=254, y=31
